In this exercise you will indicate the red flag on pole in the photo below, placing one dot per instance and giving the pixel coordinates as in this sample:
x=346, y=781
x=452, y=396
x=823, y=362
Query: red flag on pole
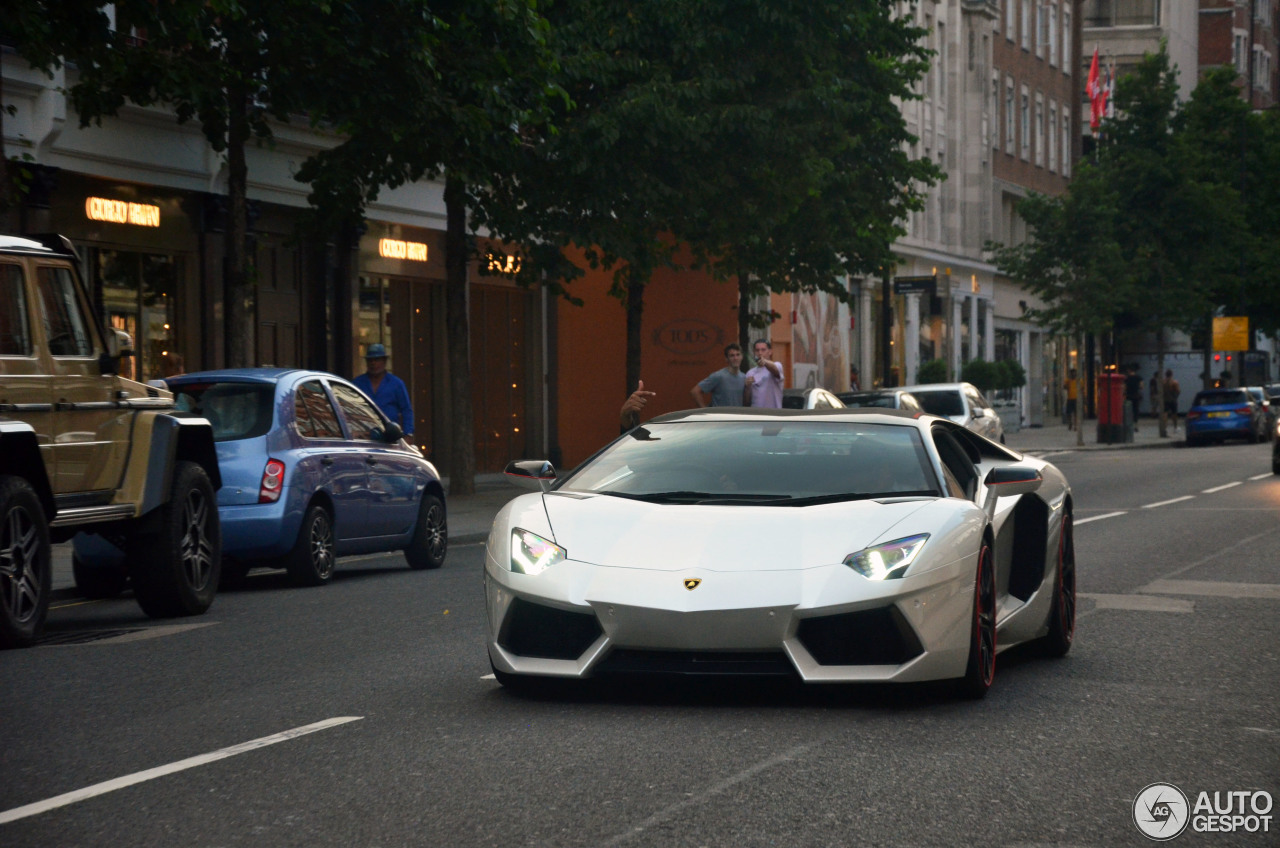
x=1093, y=88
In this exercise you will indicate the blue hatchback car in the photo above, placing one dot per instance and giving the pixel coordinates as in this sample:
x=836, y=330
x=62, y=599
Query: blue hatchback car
x=1220, y=414
x=311, y=470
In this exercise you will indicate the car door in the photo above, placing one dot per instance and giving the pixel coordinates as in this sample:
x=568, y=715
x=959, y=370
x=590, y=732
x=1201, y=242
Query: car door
x=91, y=433
x=393, y=489
x=335, y=464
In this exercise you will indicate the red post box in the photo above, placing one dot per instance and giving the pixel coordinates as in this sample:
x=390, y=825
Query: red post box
x=1111, y=426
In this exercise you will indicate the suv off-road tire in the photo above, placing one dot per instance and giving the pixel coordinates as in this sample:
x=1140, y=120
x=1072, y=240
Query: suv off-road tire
x=97, y=582
x=430, y=543
x=175, y=555
x=25, y=563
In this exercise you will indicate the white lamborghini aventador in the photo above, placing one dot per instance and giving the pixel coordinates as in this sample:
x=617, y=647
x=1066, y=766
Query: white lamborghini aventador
x=836, y=545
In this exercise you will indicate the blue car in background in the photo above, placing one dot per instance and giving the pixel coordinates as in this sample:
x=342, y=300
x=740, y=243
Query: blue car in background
x=1220, y=414
x=311, y=470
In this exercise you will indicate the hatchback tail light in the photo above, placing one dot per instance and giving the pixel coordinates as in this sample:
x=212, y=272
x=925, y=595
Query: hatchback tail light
x=1192, y=415
x=272, y=482
x=1244, y=410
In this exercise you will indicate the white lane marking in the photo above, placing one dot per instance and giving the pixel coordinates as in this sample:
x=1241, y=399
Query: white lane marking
x=1140, y=603
x=1219, y=488
x=1165, y=503
x=160, y=771
x=1080, y=521
x=1261, y=476
x=1214, y=589
x=673, y=810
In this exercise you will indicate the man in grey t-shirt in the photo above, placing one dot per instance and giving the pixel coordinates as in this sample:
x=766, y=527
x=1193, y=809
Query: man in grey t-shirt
x=726, y=385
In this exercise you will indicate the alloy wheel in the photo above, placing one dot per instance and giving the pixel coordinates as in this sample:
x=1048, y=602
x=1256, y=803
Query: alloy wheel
x=19, y=559
x=320, y=543
x=196, y=546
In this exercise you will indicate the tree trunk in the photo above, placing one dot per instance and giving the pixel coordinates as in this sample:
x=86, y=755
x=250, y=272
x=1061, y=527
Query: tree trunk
x=462, y=453
x=239, y=318
x=744, y=311
x=635, y=317
x=1080, y=395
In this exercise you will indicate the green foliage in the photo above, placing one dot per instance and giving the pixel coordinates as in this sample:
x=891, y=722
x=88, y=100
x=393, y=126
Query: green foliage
x=983, y=374
x=1011, y=374
x=1153, y=233
x=932, y=371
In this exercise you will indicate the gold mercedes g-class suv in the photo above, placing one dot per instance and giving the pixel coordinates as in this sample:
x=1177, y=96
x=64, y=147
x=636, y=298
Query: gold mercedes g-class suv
x=82, y=447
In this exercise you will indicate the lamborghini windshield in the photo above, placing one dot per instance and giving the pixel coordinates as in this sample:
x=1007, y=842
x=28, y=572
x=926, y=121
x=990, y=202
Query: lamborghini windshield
x=774, y=462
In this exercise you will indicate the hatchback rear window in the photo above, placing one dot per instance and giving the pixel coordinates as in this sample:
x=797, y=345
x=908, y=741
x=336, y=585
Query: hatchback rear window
x=941, y=403
x=1219, y=398
x=236, y=410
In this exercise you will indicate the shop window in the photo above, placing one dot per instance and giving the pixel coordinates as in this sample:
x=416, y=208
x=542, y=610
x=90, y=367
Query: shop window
x=138, y=295
x=373, y=317
x=15, y=333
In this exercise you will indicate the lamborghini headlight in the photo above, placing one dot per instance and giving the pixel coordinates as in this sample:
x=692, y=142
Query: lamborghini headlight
x=887, y=561
x=532, y=554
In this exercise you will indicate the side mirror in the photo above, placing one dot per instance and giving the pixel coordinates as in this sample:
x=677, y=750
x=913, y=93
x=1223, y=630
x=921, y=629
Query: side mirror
x=534, y=474
x=394, y=433
x=1009, y=481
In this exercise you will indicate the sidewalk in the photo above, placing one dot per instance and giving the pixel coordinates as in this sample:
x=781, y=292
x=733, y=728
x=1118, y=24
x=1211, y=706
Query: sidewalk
x=1055, y=436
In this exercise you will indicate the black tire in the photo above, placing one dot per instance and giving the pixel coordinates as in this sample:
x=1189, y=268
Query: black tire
x=175, y=554
x=26, y=557
x=312, y=559
x=1193, y=442
x=980, y=671
x=430, y=544
x=1275, y=464
x=1062, y=617
x=98, y=581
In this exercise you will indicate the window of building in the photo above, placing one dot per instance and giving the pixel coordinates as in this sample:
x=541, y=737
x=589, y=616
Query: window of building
x=1053, y=34
x=943, y=65
x=1238, y=41
x=1042, y=28
x=1010, y=25
x=1053, y=136
x=1066, y=140
x=1024, y=125
x=1026, y=24
x=138, y=291
x=1040, y=130
x=1121, y=13
x=995, y=108
x=1066, y=38
x=1008, y=115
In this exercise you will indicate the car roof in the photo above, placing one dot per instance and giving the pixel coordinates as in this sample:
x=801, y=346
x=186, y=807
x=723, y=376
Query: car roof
x=742, y=413
x=936, y=387
x=247, y=375
x=41, y=245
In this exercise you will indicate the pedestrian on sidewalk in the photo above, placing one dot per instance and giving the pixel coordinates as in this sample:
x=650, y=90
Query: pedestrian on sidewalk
x=727, y=387
x=1072, y=387
x=1133, y=392
x=386, y=389
x=764, y=382
x=1171, y=392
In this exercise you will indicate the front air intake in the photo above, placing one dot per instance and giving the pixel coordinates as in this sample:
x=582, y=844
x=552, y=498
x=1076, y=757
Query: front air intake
x=533, y=630
x=867, y=637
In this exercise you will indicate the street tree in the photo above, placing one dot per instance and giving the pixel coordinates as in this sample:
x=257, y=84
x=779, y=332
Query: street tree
x=761, y=140
x=233, y=67
x=457, y=96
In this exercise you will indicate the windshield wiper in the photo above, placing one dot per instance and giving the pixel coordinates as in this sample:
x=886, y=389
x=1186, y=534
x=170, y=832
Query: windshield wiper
x=839, y=497
x=686, y=497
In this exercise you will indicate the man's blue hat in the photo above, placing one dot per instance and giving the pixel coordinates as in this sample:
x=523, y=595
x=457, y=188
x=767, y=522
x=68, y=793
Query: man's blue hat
x=376, y=351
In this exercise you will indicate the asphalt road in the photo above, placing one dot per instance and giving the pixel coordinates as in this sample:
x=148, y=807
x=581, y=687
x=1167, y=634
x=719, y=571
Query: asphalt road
x=1174, y=678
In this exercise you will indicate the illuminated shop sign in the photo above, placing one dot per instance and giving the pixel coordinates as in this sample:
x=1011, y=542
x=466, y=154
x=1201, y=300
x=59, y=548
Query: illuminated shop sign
x=396, y=249
x=499, y=264
x=122, y=212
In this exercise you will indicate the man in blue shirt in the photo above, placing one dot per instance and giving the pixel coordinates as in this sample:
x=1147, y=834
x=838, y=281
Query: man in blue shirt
x=387, y=390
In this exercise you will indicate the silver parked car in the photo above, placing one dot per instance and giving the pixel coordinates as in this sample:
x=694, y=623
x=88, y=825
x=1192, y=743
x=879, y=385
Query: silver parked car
x=810, y=399
x=963, y=404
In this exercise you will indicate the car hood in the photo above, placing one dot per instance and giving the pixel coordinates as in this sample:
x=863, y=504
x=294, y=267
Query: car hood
x=624, y=533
